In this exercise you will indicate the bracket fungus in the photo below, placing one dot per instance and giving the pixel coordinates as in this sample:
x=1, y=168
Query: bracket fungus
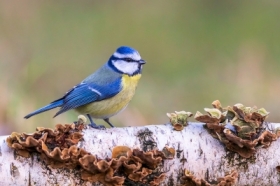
x=57, y=148
x=128, y=165
x=168, y=153
x=179, y=119
x=44, y=139
x=228, y=180
x=240, y=128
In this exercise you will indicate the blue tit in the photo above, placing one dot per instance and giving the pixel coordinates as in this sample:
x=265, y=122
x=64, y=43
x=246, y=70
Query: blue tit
x=104, y=93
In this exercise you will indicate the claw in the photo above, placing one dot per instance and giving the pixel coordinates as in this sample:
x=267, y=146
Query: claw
x=93, y=125
x=100, y=127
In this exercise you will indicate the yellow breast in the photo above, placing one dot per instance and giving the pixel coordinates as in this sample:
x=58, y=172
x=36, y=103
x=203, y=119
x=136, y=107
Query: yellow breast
x=109, y=107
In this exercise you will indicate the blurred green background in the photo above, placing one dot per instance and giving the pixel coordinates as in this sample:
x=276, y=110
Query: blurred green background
x=196, y=52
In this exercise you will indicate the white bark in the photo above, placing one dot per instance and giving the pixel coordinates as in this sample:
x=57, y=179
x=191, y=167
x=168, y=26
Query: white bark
x=205, y=156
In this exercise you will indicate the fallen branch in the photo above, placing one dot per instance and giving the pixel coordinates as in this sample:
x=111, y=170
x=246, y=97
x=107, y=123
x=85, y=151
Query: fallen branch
x=197, y=154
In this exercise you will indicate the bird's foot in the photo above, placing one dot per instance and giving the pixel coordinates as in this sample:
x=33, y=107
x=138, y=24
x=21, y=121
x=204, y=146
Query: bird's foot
x=100, y=127
x=93, y=125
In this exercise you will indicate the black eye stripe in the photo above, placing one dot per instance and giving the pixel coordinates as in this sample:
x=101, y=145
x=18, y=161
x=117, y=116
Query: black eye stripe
x=128, y=60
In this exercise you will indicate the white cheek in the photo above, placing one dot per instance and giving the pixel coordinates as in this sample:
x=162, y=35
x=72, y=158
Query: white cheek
x=125, y=67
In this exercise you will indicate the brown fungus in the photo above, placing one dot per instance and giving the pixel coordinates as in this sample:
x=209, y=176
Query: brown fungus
x=246, y=148
x=213, y=118
x=23, y=153
x=117, y=163
x=178, y=127
x=119, y=151
x=179, y=119
x=91, y=164
x=135, y=165
x=229, y=179
x=168, y=153
x=149, y=158
x=131, y=167
x=66, y=158
x=266, y=138
x=217, y=105
x=49, y=143
x=106, y=178
x=239, y=141
x=158, y=179
x=57, y=149
x=190, y=180
x=139, y=175
x=240, y=128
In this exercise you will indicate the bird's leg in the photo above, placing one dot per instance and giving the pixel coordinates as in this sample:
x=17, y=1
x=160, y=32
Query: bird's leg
x=93, y=125
x=107, y=121
x=91, y=122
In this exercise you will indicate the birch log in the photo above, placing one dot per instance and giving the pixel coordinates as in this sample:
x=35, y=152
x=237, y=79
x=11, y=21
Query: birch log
x=196, y=151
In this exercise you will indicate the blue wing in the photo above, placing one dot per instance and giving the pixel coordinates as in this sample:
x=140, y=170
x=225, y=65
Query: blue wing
x=85, y=93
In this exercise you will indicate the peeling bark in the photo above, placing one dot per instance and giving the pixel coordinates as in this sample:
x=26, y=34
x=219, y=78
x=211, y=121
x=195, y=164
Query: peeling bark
x=196, y=151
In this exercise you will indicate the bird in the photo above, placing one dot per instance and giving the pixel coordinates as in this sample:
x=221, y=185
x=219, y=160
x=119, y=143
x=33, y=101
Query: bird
x=104, y=93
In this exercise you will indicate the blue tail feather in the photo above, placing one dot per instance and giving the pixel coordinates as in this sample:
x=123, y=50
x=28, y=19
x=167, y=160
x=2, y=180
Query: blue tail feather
x=57, y=103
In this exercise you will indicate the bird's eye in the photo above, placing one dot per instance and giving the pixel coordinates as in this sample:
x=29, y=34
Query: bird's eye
x=128, y=59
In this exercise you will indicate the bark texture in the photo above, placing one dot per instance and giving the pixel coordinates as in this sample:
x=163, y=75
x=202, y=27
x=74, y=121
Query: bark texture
x=196, y=150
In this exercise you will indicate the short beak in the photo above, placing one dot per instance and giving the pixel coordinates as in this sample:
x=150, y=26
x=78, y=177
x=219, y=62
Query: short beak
x=142, y=62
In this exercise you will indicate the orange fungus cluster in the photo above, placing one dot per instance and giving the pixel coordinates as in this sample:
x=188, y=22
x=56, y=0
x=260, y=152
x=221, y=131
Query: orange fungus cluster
x=58, y=149
x=241, y=129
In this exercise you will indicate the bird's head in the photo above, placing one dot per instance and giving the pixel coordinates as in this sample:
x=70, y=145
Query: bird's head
x=126, y=60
